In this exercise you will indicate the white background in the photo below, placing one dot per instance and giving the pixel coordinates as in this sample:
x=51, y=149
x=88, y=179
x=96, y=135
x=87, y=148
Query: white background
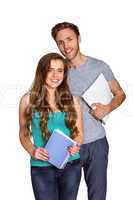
x=107, y=33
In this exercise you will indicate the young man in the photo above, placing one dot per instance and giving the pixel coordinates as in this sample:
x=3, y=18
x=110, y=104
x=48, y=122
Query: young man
x=83, y=72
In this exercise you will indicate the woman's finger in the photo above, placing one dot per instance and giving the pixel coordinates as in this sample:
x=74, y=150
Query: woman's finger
x=42, y=157
x=41, y=154
x=73, y=150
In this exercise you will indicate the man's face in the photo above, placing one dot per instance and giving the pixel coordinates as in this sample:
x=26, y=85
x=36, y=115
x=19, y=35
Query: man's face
x=68, y=43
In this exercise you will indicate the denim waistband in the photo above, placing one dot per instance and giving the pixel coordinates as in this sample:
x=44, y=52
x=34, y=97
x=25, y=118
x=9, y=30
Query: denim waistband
x=73, y=162
x=70, y=163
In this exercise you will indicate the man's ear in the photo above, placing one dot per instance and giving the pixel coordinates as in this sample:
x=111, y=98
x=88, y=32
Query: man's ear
x=79, y=38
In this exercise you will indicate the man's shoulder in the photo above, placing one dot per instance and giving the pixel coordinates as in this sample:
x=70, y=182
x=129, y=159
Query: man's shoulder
x=97, y=64
x=96, y=61
x=91, y=64
x=100, y=66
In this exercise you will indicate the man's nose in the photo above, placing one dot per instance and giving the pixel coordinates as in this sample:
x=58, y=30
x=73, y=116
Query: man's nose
x=66, y=46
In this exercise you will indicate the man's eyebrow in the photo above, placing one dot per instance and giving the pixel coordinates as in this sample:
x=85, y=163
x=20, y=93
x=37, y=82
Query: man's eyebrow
x=70, y=36
x=65, y=39
x=59, y=41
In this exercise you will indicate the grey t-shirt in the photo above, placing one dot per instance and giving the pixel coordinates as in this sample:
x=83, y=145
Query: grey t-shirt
x=79, y=80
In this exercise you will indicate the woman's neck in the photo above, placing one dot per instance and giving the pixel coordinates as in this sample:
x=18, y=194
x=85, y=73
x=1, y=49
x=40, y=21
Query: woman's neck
x=51, y=100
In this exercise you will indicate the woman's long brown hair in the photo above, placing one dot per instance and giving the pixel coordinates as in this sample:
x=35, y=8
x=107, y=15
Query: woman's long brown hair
x=63, y=97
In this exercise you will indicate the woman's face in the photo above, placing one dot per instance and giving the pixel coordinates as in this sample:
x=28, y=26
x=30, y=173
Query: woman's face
x=55, y=74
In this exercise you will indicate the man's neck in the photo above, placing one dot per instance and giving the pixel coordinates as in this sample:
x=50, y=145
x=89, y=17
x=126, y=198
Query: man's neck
x=78, y=61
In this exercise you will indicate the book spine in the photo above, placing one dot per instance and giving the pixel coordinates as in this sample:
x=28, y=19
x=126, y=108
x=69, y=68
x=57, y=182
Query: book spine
x=65, y=161
x=60, y=132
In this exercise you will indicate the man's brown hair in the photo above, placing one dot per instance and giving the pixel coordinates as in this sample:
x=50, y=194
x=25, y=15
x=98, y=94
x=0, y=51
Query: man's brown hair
x=64, y=25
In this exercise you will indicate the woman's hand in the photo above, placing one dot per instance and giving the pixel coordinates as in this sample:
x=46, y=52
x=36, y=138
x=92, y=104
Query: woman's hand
x=74, y=149
x=41, y=154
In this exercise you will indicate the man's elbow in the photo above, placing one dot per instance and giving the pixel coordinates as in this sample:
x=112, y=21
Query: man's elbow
x=123, y=96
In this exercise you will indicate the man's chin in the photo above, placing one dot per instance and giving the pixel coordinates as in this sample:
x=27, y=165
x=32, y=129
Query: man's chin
x=69, y=57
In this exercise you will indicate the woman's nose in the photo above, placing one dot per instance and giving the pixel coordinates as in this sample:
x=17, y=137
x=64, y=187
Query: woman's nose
x=55, y=74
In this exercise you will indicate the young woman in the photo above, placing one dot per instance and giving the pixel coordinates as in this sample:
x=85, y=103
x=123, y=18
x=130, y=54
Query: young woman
x=49, y=105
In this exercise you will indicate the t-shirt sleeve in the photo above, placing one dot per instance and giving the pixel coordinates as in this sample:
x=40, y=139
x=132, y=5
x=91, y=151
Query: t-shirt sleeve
x=107, y=72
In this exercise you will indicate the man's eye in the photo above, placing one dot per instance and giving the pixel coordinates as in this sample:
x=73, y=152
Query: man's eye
x=69, y=39
x=59, y=43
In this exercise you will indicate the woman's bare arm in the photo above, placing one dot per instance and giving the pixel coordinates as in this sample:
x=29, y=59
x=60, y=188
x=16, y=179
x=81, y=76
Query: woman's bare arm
x=24, y=135
x=79, y=121
x=79, y=124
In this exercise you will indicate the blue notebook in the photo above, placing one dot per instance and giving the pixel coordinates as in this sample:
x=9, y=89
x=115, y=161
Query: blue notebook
x=57, y=148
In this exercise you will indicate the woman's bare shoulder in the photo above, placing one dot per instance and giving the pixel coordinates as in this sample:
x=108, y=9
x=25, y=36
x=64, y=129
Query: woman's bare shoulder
x=25, y=100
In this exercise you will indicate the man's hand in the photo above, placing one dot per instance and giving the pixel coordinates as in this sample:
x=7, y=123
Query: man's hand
x=99, y=111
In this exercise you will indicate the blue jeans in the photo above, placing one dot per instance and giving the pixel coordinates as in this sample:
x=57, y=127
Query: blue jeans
x=94, y=158
x=50, y=183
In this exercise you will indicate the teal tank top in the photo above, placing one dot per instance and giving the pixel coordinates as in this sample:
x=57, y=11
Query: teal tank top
x=56, y=120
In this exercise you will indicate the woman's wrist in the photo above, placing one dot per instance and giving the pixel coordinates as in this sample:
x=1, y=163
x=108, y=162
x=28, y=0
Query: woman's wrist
x=32, y=153
x=78, y=144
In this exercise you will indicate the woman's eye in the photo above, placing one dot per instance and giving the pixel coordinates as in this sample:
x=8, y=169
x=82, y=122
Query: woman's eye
x=49, y=70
